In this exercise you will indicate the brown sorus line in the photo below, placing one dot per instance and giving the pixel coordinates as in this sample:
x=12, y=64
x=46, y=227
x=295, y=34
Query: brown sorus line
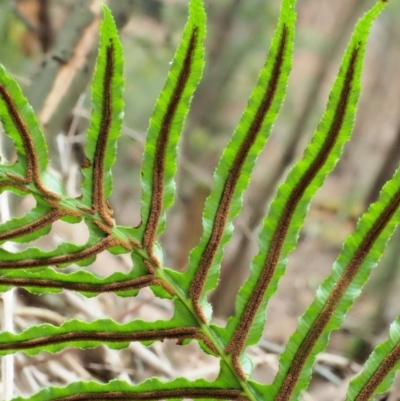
x=379, y=375
x=162, y=143
x=52, y=202
x=221, y=215
x=27, y=143
x=135, y=283
x=62, y=259
x=48, y=218
x=125, y=244
x=335, y=297
x=126, y=285
x=86, y=210
x=207, y=341
x=135, y=243
x=103, y=227
x=164, y=285
x=15, y=177
x=32, y=165
x=149, y=266
x=99, y=203
x=14, y=185
x=219, y=394
x=101, y=337
x=238, y=340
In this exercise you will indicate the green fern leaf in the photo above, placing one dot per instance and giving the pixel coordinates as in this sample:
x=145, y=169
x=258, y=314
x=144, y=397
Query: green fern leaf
x=64, y=255
x=106, y=121
x=41, y=271
x=281, y=228
x=360, y=254
x=152, y=389
x=234, y=169
x=166, y=123
x=22, y=229
x=46, y=337
x=380, y=368
x=51, y=281
x=20, y=124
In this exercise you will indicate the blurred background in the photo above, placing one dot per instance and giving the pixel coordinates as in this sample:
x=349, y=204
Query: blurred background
x=50, y=48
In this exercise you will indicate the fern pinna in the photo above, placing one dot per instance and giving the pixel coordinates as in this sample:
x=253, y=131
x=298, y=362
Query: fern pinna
x=41, y=272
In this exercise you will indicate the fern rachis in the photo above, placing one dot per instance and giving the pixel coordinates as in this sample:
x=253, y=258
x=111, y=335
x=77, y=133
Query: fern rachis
x=42, y=272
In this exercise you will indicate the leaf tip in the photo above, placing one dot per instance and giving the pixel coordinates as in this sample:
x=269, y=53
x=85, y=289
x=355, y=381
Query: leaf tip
x=197, y=12
x=106, y=10
x=108, y=21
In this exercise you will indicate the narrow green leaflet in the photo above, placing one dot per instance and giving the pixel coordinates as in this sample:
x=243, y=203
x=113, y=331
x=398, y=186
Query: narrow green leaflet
x=286, y=213
x=234, y=169
x=46, y=337
x=106, y=120
x=6, y=184
x=380, y=368
x=24, y=229
x=361, y=252
x=166, y=123
x=64, y=255
x=152, y=389
x=51, y=281
x=20, y=124
x=42, y=272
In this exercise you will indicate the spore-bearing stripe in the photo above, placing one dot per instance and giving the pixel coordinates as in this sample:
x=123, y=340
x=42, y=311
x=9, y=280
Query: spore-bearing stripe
x=162, y=144
x=221, y=215
x=93, y=250
x=126, y=285
x=99, y=203
x=101, y=337
x=187, y=393
x=13, y=185
x=32, y=164
x=49, y=218
x=207, y=341
x=319, y=325
x=164, y=285
x=389, y=363
x=103, y=227
x=238, y=340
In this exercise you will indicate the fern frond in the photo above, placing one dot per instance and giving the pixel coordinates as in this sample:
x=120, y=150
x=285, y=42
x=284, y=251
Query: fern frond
x=86, y=283
x=106, y=121
x=166, y=123
x=281, y=228
x=46, y=337
x=234, y=169
x=380, y=368
x=36, y=223
x=62, y=256
x=152, y=389
x=16, y=116
x=20, y=124
x=42, y=272
x=360, y=254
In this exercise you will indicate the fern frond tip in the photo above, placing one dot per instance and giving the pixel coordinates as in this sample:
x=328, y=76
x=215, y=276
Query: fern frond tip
x=197, y=12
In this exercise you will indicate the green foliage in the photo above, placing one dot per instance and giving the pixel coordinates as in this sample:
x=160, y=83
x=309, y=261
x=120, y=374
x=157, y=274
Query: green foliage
x=159, y=159
x=41, y=272
x=380, y=367
x=106, y=122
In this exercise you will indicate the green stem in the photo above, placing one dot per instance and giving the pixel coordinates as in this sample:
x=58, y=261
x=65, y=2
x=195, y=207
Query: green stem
x=205, y=329
x=75, y=205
